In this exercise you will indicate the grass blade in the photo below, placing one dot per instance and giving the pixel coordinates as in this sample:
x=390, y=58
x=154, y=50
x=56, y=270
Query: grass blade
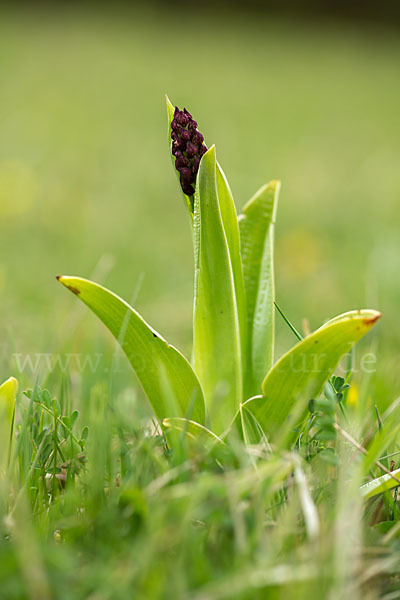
x=309, y=509
x=251, y=429
x=193, y=431
x=380, y=484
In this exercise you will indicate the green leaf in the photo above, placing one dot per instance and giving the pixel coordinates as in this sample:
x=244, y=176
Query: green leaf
x=170, y=115
x=301, y=373
x=8, y=396
x=216, y=344
x=155, y=362
x=231, y=229
x=256, y=239
x=380, y=485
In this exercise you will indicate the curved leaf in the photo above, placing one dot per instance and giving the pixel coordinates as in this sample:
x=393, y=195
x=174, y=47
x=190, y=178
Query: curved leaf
x=301, y=373
x=160, y=368
x=256, y=239
x=216, y=343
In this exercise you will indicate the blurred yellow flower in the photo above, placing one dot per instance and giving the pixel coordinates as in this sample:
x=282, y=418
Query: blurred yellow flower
x=352, y=396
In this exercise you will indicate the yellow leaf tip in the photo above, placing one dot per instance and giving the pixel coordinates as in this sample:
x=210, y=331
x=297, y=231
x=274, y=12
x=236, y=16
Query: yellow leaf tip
x=10, y=381
x=371, y=320
x=62, y=279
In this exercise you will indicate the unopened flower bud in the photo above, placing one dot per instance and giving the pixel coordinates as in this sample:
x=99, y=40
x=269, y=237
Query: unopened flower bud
x=187, y=147
x=191, y=150
x=197, y=138
x=187, y=175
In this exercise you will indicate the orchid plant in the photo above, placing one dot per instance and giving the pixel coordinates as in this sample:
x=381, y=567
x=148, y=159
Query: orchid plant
x=232, y=380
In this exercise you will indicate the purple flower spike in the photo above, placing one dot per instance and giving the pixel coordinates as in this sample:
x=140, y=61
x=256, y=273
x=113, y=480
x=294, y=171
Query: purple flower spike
x=187, y=147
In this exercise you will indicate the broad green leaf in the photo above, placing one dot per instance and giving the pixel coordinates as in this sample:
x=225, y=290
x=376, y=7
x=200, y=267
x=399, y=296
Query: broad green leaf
x=159, y=367
x=380, y=485
x=170, y=114
x=8, y=395
x=301, y=373
x=231, y=229
x=216, y=344
x=256, y=240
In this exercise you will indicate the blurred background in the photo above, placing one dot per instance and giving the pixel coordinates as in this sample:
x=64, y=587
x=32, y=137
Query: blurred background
x=309, y=96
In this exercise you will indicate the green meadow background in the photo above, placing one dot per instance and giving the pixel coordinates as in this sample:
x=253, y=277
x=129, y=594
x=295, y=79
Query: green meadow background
x=87, y=187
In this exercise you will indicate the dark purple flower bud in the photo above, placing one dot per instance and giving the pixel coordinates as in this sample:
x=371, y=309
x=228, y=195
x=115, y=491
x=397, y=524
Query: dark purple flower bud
x=187, y=188
x=182, y=117
x=187, y=147
x=185, y=135
x=191, y=150
x=197, y=138
x=192, y=125
x=187, y=175
x=175, y=150
x=178, y=144
x=178, y=162
x=182, y=162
